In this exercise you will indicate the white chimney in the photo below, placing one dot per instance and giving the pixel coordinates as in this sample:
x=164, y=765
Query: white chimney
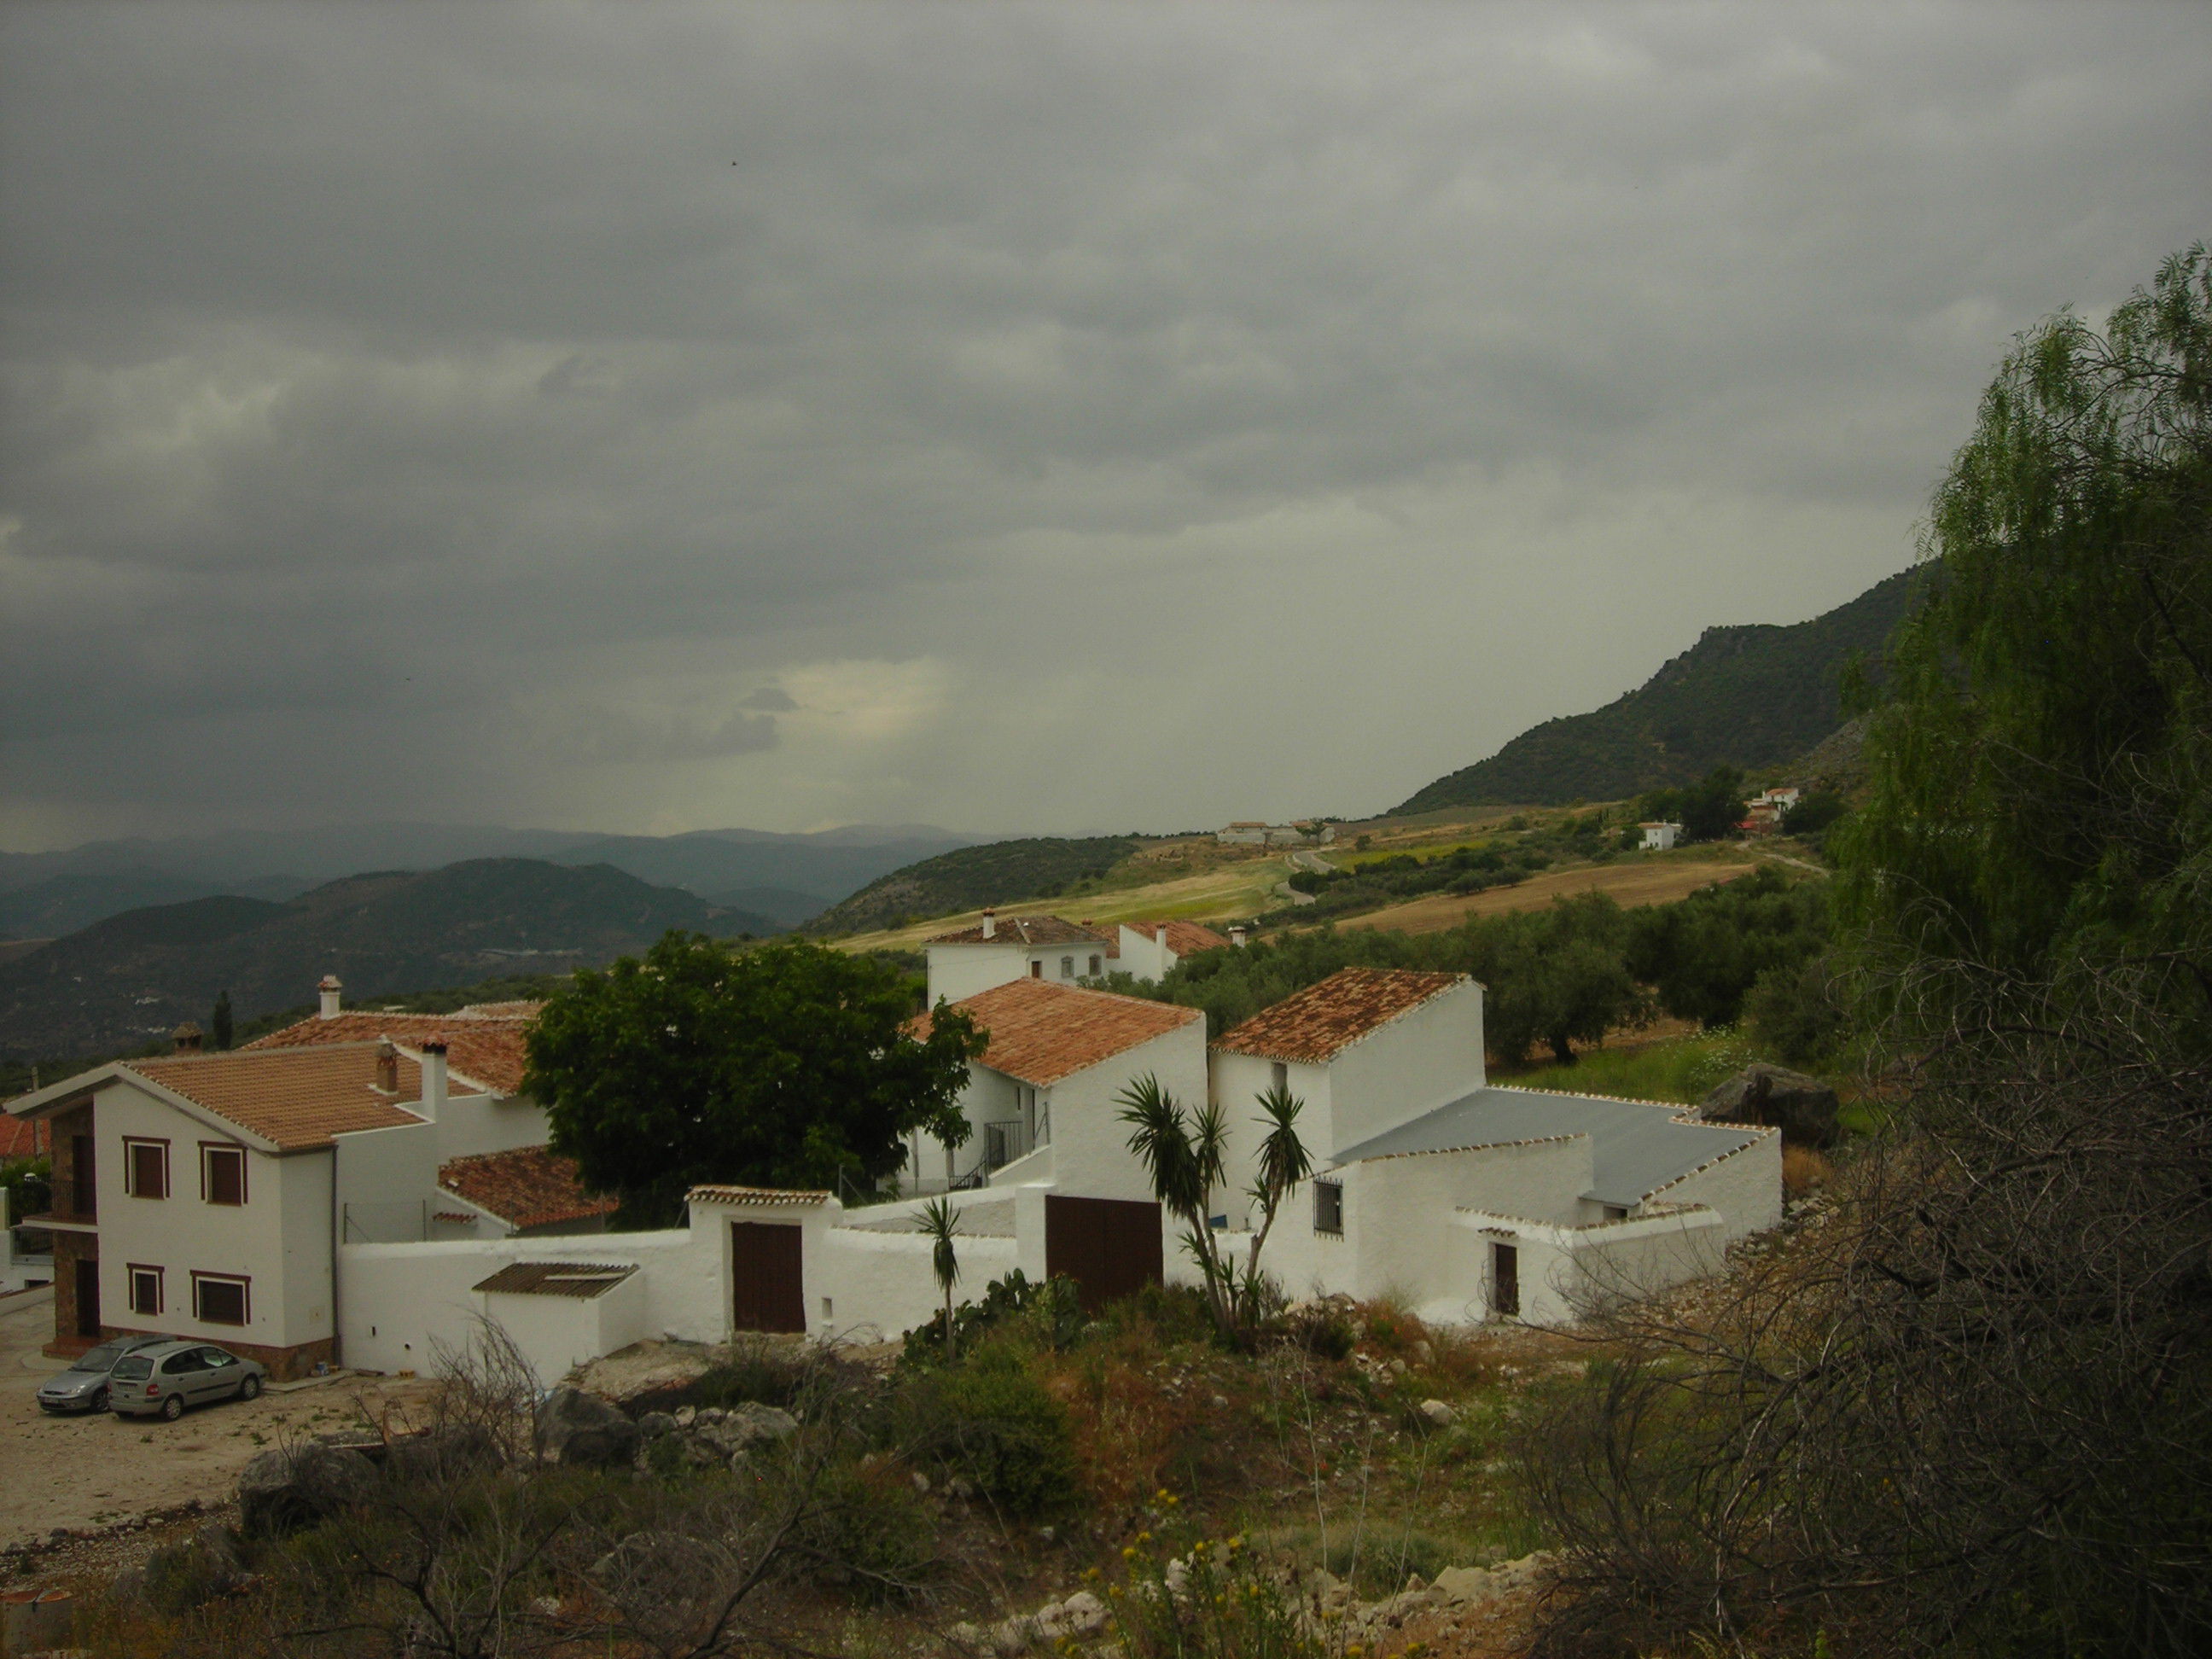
x=433, y=1080
x=1236, y=936
x=990, y=923
x=329, y=990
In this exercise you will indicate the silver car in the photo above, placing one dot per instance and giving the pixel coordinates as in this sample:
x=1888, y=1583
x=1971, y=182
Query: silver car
x=83, y=1386
x=160, y=1381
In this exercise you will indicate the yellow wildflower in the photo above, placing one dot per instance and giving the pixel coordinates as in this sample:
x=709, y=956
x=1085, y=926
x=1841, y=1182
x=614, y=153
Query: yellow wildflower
x=1128, y=1551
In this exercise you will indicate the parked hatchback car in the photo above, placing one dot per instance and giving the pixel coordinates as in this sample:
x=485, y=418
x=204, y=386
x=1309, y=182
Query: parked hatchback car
x=83, y=1386
x=160, y=1381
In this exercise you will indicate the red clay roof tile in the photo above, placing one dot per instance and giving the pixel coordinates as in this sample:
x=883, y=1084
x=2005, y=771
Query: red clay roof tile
x=526, y=1187
x=1314, y=1024
x=1041, y=1032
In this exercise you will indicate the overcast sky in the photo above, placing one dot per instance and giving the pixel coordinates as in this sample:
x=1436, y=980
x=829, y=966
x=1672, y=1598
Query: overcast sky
x=655, y=418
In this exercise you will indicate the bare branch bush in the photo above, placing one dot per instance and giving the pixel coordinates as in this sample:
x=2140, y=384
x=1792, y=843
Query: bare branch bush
x=1969, y=1400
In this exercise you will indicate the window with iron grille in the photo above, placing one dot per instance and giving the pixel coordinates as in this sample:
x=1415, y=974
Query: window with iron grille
x=146, y=1168
x=1328, y=1206
x=219, y=1299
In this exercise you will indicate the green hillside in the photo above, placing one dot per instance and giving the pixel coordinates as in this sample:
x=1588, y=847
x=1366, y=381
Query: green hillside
x=1753, y=697
x=113, y=985
x=996, y=873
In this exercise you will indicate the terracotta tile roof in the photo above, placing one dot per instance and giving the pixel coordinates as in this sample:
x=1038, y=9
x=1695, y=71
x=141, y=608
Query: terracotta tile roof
x=761, y=1197
x=526, y=1187
x=577, y=1279
x=1184, y=937
x=1041, y=1032
x=1320, y=1021
x=483, y=1048
x=1026, y=931
x=297, y=1099
x=522, y=1010
x=25, y=1137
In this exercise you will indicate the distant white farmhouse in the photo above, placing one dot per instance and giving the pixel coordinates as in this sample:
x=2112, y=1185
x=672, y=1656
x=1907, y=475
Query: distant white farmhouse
x=1149, y=949
x=1658, y=837
x=993, y=951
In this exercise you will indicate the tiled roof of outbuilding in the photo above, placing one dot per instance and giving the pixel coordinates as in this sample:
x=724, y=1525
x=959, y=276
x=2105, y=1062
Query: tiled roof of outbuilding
x=1314, y=1025
x=576, y=1279
x=757, y=1197
x=1026, y=931
x=1184, y=937
x=1041, y=1032
x=526, y=1187
x=484, y=1047
x=298, y=1098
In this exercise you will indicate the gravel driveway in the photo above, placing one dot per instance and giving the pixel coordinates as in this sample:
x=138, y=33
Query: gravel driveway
x=88, y=1471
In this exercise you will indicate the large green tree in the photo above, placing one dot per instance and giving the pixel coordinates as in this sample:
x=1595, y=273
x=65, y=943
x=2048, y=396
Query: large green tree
x=2042, y=775
x=787, y=1065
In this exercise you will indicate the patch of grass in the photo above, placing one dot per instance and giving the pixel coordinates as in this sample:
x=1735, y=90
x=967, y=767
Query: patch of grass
x=1684, y=1069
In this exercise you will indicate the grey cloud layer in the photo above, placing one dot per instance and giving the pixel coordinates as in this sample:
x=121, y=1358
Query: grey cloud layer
x=1091, y=399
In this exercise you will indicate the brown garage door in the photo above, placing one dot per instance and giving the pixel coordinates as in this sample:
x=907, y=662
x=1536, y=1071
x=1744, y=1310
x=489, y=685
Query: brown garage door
x=1107, y=1246
x=765, y=1290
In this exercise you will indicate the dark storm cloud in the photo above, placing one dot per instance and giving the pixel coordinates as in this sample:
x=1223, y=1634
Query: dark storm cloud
x=653, y=416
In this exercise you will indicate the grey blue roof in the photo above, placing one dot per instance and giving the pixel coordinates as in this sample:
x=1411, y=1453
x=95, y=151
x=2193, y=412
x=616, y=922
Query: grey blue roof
x=1635, y=1148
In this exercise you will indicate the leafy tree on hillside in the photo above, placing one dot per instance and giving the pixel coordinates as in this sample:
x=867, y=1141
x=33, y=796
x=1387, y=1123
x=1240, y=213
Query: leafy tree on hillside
x=1705, y=952
x=2042, y=768
x=787, y=1065
x=222, y=1025
x=1556, y=977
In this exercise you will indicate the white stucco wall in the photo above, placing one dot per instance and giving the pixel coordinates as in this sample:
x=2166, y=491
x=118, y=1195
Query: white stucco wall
x=270, y=1239
x=1417, y=1062
x=472, y=1124
x=1745, y=1187
x=387, y=1182
x=1091, y=1143
x=1562, y=1269
x=961, y=970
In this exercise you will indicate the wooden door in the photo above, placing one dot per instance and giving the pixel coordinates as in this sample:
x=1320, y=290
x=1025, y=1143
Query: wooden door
x=88, y=1296
x=767, y=1287
x=1109, y=1246
x=1505, y=1281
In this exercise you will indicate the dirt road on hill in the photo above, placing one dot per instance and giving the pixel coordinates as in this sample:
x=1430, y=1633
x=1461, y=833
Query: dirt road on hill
x=1628, y=883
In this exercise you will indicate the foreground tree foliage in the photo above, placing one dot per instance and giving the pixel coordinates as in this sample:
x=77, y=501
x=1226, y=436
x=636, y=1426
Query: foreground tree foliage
x=1965, y=1406
x=788, y=1065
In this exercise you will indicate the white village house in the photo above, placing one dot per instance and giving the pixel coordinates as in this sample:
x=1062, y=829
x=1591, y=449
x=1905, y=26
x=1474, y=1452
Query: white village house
x=1471, y=1201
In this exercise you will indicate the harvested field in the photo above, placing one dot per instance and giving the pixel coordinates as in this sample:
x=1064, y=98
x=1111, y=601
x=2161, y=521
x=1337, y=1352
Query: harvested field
x=1654, y=882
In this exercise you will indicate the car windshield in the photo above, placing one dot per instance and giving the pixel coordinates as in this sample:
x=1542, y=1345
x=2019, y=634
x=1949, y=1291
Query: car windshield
x=99, y=1359
x=134, y=1370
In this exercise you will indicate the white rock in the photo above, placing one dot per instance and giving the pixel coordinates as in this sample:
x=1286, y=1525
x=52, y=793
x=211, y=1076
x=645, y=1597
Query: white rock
x=1438, y=1414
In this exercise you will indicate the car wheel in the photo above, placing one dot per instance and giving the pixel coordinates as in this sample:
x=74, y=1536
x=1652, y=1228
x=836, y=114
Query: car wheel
x=172, y=1409
x=99, y=1402
x=249, y=1389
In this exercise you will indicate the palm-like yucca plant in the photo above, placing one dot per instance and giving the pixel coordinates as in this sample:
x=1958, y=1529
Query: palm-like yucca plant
x=941, y=1221
x=1282, y=1162
x=1185, y=1153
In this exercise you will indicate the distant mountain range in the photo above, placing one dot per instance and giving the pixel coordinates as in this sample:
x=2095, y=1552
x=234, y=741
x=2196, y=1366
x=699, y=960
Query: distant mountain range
x=131, y=977
x=785, y=878
x=1754, y=697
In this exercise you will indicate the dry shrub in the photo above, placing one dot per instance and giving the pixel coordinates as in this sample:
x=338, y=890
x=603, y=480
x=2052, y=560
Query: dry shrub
x=1804, y=1171
x=1129, y=1433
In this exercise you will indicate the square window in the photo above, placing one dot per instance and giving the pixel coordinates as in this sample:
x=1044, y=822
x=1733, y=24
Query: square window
x=146, y=1290
x=146, y=1168
x=1067, y=967
x=1097, y=966
x=222, y=1175
x=1328, y=1206
x=219, y=1301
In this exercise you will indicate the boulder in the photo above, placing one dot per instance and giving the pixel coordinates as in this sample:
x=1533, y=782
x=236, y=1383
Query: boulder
x=743, y=1427
x=443, y=1453
x=288, y=1487
x=1802, y=1108
x=1437, y=1415
x=653, y=1424
x=580, y=1429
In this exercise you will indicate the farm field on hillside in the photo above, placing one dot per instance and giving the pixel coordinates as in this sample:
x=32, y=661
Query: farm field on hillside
x=1241, y=889
x=1654, y=882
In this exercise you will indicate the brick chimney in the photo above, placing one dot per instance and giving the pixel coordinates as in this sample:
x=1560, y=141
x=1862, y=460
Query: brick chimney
x=187, y=1038
x=329, y=990
x=387, y=1069
x=433, y=1080
x=990, y=922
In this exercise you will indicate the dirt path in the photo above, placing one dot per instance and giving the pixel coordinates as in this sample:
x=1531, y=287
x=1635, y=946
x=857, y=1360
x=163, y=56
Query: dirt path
x=1655, y=883
x=81, y=1472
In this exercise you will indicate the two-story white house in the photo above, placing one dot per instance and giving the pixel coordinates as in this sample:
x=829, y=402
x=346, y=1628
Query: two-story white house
x=208, y=1195
x=1149, y=949
x=997, y=950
